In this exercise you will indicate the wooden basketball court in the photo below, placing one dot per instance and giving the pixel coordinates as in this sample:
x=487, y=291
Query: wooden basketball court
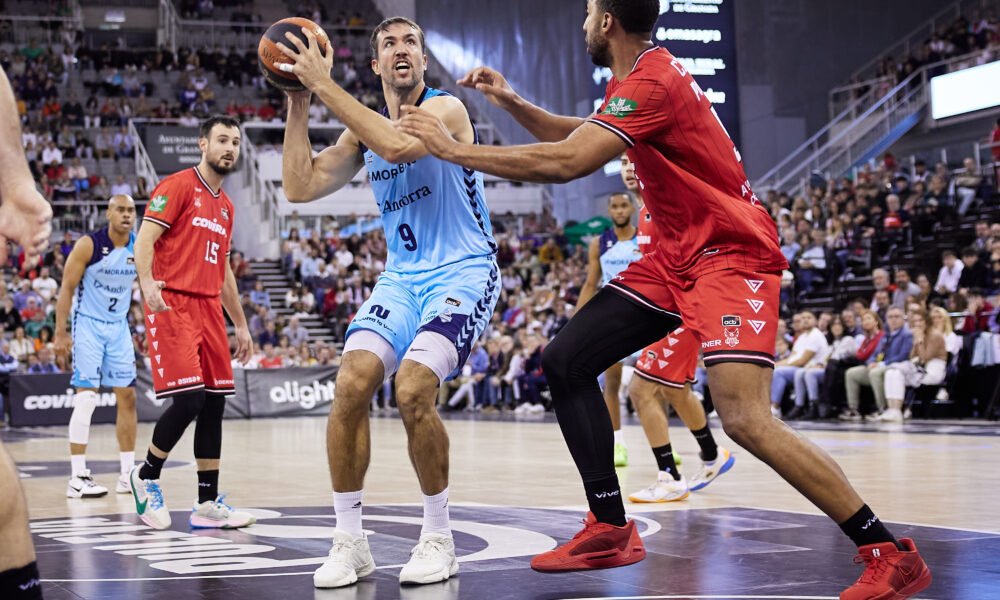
x=514, y=492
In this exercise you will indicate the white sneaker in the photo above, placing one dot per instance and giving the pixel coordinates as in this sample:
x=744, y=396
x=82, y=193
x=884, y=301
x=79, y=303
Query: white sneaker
x=536, y=409
x=431, y=560
x=708, y=473
x=216, y=514
x=349, y=559
x=522, y=408
x=666, y=489
x=891, y=415
x=123, y=486
x=82, y=485
x=149, y=504
x=775, y=411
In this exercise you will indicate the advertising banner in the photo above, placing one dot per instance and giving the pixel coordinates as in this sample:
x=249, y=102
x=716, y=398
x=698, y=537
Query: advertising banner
x=48, y=400
x=288, y=392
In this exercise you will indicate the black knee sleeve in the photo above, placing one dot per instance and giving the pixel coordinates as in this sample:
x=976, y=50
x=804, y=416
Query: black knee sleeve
x=182, y=410
x=22, y=583
x=208, y=431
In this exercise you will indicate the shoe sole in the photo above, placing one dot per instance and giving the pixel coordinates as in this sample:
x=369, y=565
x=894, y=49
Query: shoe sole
x=725, y=467
x=434, y=578
x=358, y=574
x=199, y=523
x=637, y=554
x=637, y=500
x=920, y=584
x=78, y=495
x=149, y=521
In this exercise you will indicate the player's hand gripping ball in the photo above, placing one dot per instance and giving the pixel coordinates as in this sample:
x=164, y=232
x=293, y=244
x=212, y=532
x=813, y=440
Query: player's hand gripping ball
x=271, y=59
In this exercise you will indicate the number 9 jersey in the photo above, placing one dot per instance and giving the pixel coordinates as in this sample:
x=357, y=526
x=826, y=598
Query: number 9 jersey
x=434, y=212
x=191, y=255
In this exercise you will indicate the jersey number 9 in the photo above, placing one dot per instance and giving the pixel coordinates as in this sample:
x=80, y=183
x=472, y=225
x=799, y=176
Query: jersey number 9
x=407, y=235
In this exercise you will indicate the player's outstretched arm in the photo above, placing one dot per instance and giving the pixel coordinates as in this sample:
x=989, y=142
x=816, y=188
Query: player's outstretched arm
x=545, y=126
x=380, y=134
x=589, y=288
x=149, y=232
x=25, y=216
x=76, y=264
x=231, y=302
x=583, y=152
x=304, y=177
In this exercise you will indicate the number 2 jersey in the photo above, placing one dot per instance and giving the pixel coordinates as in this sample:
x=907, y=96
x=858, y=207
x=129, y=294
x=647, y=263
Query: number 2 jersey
x=690, y=173
x=105, y=290
x=191, y=254
x=434, y=212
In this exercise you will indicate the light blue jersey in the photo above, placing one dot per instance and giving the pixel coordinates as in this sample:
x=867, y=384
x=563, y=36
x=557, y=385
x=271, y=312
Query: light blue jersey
x=616, y=255
x=441, y=274
x=105, y=292
x=102, y=343
x=434, y=212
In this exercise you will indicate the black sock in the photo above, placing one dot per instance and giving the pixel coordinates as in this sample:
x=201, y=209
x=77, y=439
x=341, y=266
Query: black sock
x=665, y=461
x=709, y=449
x=864, y=528
x=605, y=499
x=208, y=485
x=151, y=468
x=22, y=583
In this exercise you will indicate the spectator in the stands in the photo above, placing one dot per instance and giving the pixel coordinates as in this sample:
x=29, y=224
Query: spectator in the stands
x=104, y=144
x=967, y=186
x=121, y=187
x=550, y=253
x=78, y=175
x=810, y=348
x=983, y=238
x=260, y=296
x=811, y=264
x=270, y=360
x=52, y=154
x=881, y=283
x=295, y=332
x=949, y=275
x=45, y=285
x=894, y=348
x=975, y=273
x=45, y=362
x=905, y=288
x=980, y=314
x=25, y=294
x=10, y=317
x=270, y=335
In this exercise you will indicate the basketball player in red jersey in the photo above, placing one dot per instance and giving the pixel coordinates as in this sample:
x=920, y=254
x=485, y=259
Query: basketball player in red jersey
x=664, y=372
x=717, y=264
x=181, y=256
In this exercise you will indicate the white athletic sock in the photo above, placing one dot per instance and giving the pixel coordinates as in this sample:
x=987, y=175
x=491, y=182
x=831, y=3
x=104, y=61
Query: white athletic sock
x=619, y=438
x=436, y=514
x=347, y=506
x=79, y=463
x=127, y=461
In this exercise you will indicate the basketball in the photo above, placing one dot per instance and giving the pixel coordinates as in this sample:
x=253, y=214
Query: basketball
x=270, y=58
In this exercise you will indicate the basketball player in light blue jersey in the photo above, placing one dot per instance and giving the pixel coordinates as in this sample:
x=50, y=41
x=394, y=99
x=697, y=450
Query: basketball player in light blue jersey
x=97, y=282
x=615, y=249
x=435, y=298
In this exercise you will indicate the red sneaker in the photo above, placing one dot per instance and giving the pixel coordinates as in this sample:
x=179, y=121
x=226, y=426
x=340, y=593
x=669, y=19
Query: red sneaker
x=890, y=574
x=597, y=546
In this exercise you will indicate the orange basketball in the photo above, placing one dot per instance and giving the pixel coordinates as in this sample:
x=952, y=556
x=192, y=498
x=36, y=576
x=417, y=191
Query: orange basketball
x=270, y=58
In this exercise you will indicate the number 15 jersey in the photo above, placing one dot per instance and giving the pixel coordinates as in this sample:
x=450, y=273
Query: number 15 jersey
x=191, y=254
x=434, y=212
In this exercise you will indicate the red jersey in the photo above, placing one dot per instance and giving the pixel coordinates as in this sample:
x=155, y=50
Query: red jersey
x=191, y=254
x=689, y=171
x=647, y=237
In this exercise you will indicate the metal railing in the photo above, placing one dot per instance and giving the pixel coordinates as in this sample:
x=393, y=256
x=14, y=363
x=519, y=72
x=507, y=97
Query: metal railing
x=263, y=193
x=859, y=128
x=904, y=46
x=143, y=165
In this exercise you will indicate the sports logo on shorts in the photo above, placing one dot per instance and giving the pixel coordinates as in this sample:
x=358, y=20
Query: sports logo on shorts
x=650, y=355
x=754, y=284
x=453, y=302
x=731, y=321
x=158, y=203
x=732, y=337
x=756, y=305
x=757, y=325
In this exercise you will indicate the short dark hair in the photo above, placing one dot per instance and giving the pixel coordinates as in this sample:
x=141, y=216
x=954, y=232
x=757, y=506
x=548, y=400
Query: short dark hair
x=384, y=26
x=969, y=252
x=635, y=16
x=226, y=121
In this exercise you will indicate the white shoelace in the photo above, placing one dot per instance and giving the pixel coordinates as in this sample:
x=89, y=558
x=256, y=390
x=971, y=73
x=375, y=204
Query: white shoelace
x=428, y=549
